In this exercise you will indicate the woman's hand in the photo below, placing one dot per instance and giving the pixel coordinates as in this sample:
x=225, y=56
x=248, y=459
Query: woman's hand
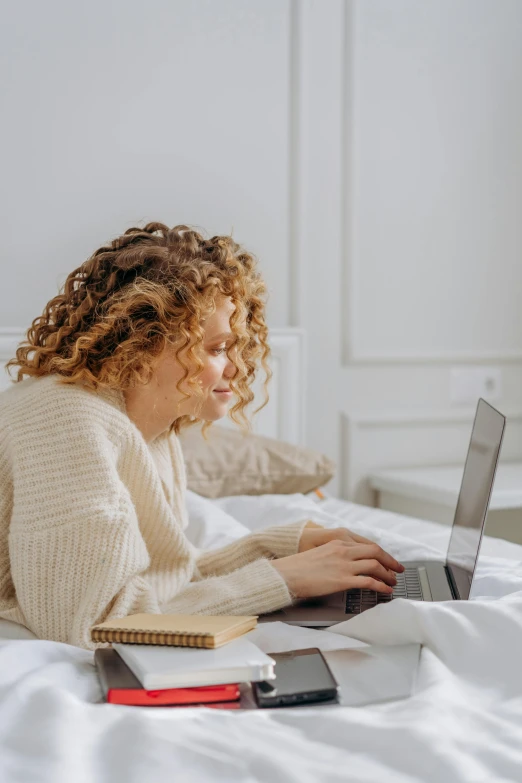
x=314, y=535
x=338, y=565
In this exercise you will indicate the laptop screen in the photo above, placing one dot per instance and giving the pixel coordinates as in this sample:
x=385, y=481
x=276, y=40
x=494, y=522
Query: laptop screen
x=475, y=491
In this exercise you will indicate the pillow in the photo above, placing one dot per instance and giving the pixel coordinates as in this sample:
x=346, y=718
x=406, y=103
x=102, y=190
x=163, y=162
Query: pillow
x=10, y=630
x=209, y=526
x=232, y=463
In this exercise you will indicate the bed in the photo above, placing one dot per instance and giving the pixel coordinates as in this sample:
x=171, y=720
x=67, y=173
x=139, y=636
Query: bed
x=462, y=723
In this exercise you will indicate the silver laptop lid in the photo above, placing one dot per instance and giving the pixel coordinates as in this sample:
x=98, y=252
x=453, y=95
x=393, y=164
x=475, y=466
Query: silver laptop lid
x=474, y=496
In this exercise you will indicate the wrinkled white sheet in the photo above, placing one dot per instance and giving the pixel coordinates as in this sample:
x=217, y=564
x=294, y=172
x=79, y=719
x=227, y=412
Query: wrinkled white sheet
x=464, y=722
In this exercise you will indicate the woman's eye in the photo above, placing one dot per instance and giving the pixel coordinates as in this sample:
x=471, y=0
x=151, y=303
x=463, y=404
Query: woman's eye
x=217, y=351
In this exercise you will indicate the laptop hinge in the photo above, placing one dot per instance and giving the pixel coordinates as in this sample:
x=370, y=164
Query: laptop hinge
x=452, y=583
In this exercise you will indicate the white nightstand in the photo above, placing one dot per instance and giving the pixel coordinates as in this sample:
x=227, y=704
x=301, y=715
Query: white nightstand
x=432, y=493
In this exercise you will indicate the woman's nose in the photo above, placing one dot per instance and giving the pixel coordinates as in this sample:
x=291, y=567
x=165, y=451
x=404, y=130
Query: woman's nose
x=229, y=370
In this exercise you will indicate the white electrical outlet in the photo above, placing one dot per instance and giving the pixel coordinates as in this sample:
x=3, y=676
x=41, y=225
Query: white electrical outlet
x=467, y=384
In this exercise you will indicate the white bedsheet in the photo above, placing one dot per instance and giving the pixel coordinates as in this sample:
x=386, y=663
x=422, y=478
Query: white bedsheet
x=464, y=723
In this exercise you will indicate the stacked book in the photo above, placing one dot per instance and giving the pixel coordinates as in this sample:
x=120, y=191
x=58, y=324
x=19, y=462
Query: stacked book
x=164, y=660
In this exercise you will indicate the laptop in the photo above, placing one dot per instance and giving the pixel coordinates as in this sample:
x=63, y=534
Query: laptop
x=427, y=580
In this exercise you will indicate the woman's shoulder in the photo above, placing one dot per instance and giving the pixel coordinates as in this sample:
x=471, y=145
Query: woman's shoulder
x=47, y=402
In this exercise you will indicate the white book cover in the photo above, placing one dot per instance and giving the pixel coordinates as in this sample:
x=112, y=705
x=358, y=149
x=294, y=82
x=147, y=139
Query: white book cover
x=161, y=666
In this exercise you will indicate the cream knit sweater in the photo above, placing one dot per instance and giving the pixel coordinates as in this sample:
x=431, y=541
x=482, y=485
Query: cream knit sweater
x=92, y=520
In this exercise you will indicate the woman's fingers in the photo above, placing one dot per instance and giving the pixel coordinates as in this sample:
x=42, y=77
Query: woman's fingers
x=360, y=539
x=343, y=534
x=374, y=552
x=364, y=548
x=375, y=569
x=369, y=583
x=337, y=565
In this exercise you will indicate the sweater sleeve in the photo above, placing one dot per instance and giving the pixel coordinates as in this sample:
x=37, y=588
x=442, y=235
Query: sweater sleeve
x=256, y=588
x=62, y=594
x=276, y=541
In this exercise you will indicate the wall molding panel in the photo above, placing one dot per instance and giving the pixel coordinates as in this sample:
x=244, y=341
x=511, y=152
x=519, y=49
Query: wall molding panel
x=284, y=415
x=478, y=357
x=401, y=419
x=348, y=163
x=372, y=36
x=296, y=130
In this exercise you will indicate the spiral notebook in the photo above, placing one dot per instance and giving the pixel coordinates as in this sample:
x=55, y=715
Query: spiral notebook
x=178, y=630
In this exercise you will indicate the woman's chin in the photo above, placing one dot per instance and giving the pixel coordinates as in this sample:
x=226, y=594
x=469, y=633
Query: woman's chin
x=215, y=413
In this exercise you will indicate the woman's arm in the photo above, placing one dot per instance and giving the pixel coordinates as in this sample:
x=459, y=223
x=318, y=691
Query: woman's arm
x=75, y=575
x=273, y=542
x=256, y=588
x=76, y=552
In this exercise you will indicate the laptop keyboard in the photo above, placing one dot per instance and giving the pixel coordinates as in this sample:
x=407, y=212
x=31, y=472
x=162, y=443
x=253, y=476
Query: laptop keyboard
x=408, y=586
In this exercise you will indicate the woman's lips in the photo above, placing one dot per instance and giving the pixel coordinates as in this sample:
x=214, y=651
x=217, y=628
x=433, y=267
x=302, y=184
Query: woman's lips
x=224, y=392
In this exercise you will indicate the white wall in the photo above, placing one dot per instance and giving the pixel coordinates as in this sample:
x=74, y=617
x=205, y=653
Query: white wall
x=436, y=179
x=368, y=152
x=118, y=111
x=432, y=275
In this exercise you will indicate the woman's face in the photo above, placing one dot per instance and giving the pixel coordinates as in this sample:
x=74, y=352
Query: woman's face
x=154, y=406
x=218, y=369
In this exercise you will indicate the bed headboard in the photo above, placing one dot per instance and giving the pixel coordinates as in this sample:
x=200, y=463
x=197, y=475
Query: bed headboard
x=282, y=418
x=9, y=339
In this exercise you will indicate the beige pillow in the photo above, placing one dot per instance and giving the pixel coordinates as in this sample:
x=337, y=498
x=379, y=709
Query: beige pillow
x=231, y=463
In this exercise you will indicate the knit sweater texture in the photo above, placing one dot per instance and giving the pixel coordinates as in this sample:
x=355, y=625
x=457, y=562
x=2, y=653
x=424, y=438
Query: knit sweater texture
x=92, y=521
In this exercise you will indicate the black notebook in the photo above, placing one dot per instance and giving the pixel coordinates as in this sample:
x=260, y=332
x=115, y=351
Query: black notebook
x=120, y=686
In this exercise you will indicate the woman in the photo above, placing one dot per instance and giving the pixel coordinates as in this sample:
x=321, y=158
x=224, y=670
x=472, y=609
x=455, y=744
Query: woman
x=159, y=329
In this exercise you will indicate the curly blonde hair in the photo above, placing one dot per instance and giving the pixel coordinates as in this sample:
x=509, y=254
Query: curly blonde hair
x=149, y=288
